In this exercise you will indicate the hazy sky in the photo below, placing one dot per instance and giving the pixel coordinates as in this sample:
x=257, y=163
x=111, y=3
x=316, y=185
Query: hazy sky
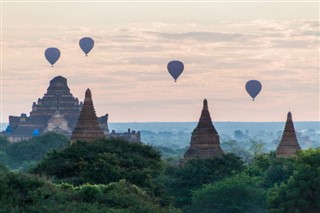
x=223, y=45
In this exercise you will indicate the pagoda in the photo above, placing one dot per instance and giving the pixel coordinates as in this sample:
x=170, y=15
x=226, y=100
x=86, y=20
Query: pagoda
x=87, y=127
x=57, y=111
x=289, y=144
x=205, y=141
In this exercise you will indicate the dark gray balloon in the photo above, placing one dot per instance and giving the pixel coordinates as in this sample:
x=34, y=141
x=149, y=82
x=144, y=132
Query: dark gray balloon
x=175, y=69
x=253, y=88
x=86, y=44
x=52, y=55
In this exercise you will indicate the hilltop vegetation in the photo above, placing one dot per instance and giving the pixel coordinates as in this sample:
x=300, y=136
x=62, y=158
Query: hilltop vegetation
x=25, y=154
x=181, y=181
x=117, y=176
x=27, y=193
x=102, y=162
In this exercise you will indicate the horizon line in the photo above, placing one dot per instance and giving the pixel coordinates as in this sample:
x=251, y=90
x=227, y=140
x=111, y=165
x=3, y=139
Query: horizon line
x=212, y=121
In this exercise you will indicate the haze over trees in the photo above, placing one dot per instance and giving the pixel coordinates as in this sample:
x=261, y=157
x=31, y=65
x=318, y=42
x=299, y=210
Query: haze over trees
x=23, y=155
x=114, y=175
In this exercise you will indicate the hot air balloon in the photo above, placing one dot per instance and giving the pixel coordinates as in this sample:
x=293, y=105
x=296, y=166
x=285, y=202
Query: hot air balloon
x=253, y=88
x=86, y=44
x=52, y=55
x=175, y=69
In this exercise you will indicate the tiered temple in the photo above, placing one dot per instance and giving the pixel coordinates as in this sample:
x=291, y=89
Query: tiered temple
x=205, y=142
x=87, y=128
x=57, y=111
x=289, y=144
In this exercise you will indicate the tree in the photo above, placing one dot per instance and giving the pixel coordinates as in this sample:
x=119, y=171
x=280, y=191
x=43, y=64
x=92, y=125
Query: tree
x=301, y=192
x=239, y=193
x=180, y=181
x=234, y=147
x=271, y=169
x=102, y=162
x=238, y=134
x=27, y=193
x=3, y=142
x=256, y=147
x=23, y=154
x=3, y=169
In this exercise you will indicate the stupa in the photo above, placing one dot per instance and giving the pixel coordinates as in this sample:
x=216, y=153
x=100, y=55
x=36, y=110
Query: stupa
x=205, y=141
x=87, y=127
x=57, y=111
x=289, y=144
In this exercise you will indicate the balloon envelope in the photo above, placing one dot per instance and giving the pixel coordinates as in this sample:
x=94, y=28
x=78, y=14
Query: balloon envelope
x=86, y=44
x=52, y=55
x=253, y=88
x=175, y=69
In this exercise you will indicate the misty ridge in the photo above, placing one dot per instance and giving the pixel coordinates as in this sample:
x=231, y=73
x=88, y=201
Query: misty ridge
x=178, y=134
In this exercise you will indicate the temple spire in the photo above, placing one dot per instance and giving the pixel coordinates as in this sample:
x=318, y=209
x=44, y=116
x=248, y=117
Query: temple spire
x=205, y=140
x=87, y=128
x=88, y=96
x=289, y=117
x=289, y=144
x=205, y=120
x=205, y=104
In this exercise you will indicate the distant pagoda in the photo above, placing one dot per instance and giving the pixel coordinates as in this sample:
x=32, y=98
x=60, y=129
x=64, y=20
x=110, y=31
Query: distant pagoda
x=57, y=111
x=205, y=142
x=289, y=144
x=87, y=127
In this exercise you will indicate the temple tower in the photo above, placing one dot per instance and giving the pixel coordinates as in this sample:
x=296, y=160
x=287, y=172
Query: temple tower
x=289, y=144
x=205, y=142
x=87, y=127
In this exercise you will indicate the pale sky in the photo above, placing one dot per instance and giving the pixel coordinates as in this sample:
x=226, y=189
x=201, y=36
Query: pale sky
x=222, y=45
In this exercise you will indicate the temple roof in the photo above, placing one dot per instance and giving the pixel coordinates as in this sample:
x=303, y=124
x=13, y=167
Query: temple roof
x=58, y=85
x=58, y=81
x=87, y=127
x=205, y=121
x=289, y=144
x=205, y=140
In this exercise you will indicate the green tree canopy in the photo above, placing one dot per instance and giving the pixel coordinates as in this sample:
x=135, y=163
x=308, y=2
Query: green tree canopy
x=273, y=170
x=20, y=155
x=302, y=191
x=239, y=193
x=180, y=181
x=27, y=193
x=102, y=161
